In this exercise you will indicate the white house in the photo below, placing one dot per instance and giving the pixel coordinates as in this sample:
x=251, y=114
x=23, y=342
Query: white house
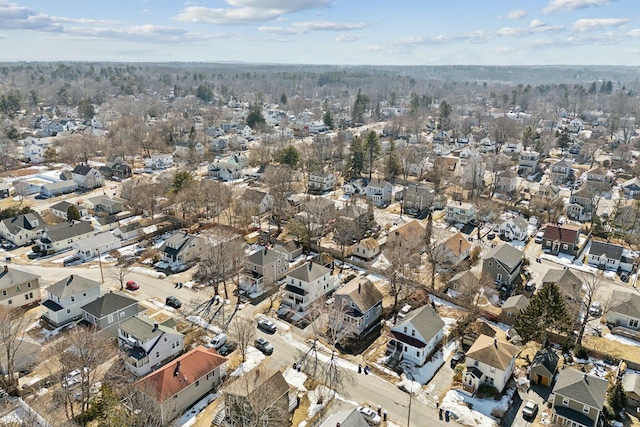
x=528, y=162
x=305, y=285
x=184, y=149
x=34, y=152
x=159, y=161
x=608, y=256
x=181, y=249
x=244, y=131
x=67, y=296
x=453, y=250
x=359, y=305
x=489, y=361
x=61, y=236
x=459, y=212
x=321, y=181
x=60, y=209
x=97, y=245
x=148, y=345
x=516, y=228
x=259, y=200
x=22, y=229
x=379, y=191
x=366, y=249
x=416, y=337
x=87, y=177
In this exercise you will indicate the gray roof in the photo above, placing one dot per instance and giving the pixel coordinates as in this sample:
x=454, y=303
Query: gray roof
x=142, y=328
x=631, y=383
x=174, y=244
x=81, y=170
x=110, y=219
x=23, y=222
x=71, y=286
x=108, y=304
x=96, y=240
x=546, y=358
x=378, y=183
x=612, y=251
x=425, y=320
x=517, y=301
x=581, y=387
x=362, y=292
x=625, y=303
x=347, y=418
x=59, y=185
x=12, y=277
x=632, y=184
x=264, y=257
x=67, y=230
x=506, y=254
x=61, y=206
x=520, y=222
x=309, y=272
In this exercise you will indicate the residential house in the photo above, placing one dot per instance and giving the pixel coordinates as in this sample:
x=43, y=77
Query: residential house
x=34, y=153
x=359, y=306
x=577, y=398
x=117, y=170
x=182, y=249
x=418, y=198
x=291, y=250
x=185, y=149
x=26, y=188
x=600, y=177
x=65, y=298
x=61, y=209
x=54, y=189
x=416, y=337
x=22, y=229
x=62, y=236
x=105, y=204
x=561, y=239
x=489, y=361
x=506, y=182
x=379, y=191
x=487, y=145
x=307, y=284
x=581, y=203
x=147, y=345
x=561, y=172
x=19, y=288
x=355, y=186
x=547, y=194
x=182, y=382
x=130, y=231
x=503, y=264
x=446, y=167
x=347, y=418
x=320, y=182
x=528, y=162
x=159, y=161
x=512, y=146
x=96, y=245
x=87, y=177
x=262, y=269
x=105, y=223
x=225, y=171
x=108, y=311
x=453, y=250
x=367, y=249
x=625, y=310
x=606, y=256
x=569, y=283
x=459, y=212
x=516, y=228
x=631, y=387
x=244, y=131
x=512, y=307
x=407, y=234
x=258, y=200
x=268, y=387
x=462, y=282
x=544, y=367
x=631, y=188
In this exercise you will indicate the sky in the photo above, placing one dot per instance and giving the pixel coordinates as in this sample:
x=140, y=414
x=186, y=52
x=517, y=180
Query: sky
x=340, y=32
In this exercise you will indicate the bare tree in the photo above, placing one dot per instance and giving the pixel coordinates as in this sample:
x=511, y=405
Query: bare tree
x=119, y=271
x=592, y=285
x=279, y=179
x=221, y=260
x=344, y=234
x=502, y=129
x=402, y=261
x=13, y=323
x=243, y=331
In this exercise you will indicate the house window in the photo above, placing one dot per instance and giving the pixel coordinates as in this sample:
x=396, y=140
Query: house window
x=565, y=246
x=413, y=332
x=565, y=401
x=84, y=294
x=405, y=329
x=418, y=353
x=9, y=302
x=110, y=318
x=177, y=344
x=157, y=354
x=165, y=339
x=29, y=285
x=633, y=323
x=4, y=293
x=585, y=409
x=26, y=297
x=68, y=311
x=73, y=299
x=18, y=288
x=509, y=313
x=175, y=396
x=197, y=383
x=490, y=264
x=476, y=363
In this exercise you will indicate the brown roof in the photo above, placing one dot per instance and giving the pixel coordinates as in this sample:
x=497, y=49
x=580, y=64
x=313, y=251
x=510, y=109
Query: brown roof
x=369, y=243
x=164, y=383
x=564, y=233
x=458, y=244
x=362, y=292
x=492, y=352
x=263, y=381
x=409, y=231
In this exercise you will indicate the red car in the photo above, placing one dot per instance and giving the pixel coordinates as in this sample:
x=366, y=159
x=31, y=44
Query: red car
x=132, y=286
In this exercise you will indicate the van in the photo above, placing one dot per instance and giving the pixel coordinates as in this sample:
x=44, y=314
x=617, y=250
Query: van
x=218, y=341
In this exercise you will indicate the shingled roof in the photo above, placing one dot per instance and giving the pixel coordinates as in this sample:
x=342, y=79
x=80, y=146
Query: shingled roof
x=309, y=272
x=581, y=387
x=71, y=286
x=362, y=292
x=492, y=352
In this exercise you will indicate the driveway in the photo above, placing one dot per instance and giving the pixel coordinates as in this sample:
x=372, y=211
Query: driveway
x=514, y=417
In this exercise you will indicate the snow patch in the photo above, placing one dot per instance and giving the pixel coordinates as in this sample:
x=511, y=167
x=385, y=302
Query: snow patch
x=295, y=379
x=622, y=340
x=203, y=324
x=253, y=357
x=189, y=418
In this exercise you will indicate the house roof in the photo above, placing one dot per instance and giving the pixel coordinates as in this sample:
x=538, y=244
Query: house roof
x=59, y=185
x=563, y=278
x=180, y=373
x=625, y=303
x=597, y=171
x=457, y=244
x=492, y=352
x=562, y=164
x=11, y=277
x=23, y=222
x=254, y=196
x=105, y=220
x=519, y=222
x=308, y=272
x=581, y=387
x=347, y=418
x=67, y=230
x=631, y=383
x=546, y=358
x=362, y=292
x=262, y=382
x=632, y=184
x=96, y=241
x=143, y=328
x=264, y=256
x=61, y=206
x=174, y=244
x=71, y=286
x=369, y=243
x=564, y=233
x=517, y=301
x=81, y=169
x=506, y=254
x=108, y=304
x=611, y=250
x=411, y=230
x=378, y=183
x=463, y=278
x=425, y=320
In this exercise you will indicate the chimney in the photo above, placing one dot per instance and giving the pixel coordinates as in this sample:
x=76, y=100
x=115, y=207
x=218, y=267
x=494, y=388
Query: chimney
x=586, y=379
x=310, y=265
x=175, y=372
x=71, y=276
x=460, y=246
x=359, y=286
x=495, y=342
x=265, y=250
x=155, y=327
x=6, y=268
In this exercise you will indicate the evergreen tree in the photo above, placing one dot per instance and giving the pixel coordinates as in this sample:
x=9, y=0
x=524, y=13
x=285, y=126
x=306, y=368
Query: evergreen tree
x=181, y=179
x=372, y=147
x=546, y=310
x=86, y=110
x=529, y=136
x=617, y=398
x=205, y=93
x=327, y=119
x=393, y=164
x=359, y=107
x=563, y=139
x=593, y=88
x=289, y=156
x=283, y=99
x=255, y=117
x=72, y=213
x=356, y=158
x=444, y=114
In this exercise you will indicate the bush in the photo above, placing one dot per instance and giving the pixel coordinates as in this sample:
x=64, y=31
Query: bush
x=581, y=352
x=458, y=371
x=36, y=249
x=475, y=254
x=487, y=391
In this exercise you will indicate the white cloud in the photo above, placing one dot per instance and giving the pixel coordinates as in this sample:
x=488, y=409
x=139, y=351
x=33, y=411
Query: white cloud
x=634, y=33
x=347, y=38
x=516, y=14
x=16, y=17
x=557, y=5
x=305, y=27
x=537, y=23
x=584, y=25
x=245, y=12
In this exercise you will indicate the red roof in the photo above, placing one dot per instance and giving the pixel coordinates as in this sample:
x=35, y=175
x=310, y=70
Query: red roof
x=563, y=233
x=164, y=383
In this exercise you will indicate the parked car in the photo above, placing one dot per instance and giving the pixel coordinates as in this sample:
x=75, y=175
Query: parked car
x=264, y=346
x=538, y=238
x=491, y=236
x=173, y=302
x=624, y=277
x=218, y=341
x=267, y=326
x=227, y=348
x=132, y=285
x=369, y=415
x=457, y=358
x=530, y=409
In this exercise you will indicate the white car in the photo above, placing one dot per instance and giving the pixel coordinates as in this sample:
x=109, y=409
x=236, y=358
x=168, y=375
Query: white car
x=530, y=409
x=369, y=415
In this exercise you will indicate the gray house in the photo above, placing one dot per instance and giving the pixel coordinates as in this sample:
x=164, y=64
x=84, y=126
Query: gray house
x=578, y=398
x=631, y=387
x=67, y=296
x=108, y=311
x=359, y=303
x=625, y=310
x=22, y=229
x=503, y=264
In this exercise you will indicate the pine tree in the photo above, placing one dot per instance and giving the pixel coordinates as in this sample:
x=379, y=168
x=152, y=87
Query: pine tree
x=617, y=398
x=72, y=213
x=289, y=156
x=356, y=158
x=393, y=164
x=327, y=119
x=546, y=310
x=373, y=149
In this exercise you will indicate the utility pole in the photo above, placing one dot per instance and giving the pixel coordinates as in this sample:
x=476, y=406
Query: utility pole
x=100, y=263
x=410, y=399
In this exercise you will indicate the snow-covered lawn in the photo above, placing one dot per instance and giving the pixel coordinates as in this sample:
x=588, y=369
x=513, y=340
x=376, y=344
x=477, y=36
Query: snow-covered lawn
x=423, y=374
x=253, y=358
x=623, y=340
x=189, y=418
x=321, y=391
x=149, y=272
x=162, y=305
x=203, y=324
x=295, y=379
x=439, y=301
x=323, y=357
x=480, y=416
